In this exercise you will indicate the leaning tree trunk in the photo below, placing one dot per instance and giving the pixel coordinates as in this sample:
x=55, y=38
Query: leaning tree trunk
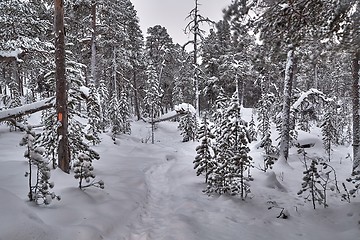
x=285, y=128
x=356, y=114
x=61, y=88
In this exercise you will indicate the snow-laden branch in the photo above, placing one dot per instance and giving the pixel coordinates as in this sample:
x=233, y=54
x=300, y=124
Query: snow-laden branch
x=9, y=56
x=305, y=95
x=27, y=109
x=179, y=110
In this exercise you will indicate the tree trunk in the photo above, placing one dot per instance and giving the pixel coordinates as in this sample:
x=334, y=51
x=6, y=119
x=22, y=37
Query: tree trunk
x=196, y=78
x=356, y=114
x=61, y=88
x=136, y=97
x=285, y=128
x=93, y=79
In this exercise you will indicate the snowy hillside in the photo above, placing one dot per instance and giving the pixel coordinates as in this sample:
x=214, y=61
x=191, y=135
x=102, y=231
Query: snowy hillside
x=152, y=193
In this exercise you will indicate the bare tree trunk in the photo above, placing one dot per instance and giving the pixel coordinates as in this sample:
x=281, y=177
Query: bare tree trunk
x=93, y=79
x=196, y=78
x=136, y=97
x=285, y=128
x=356, y=114
x=61, y=88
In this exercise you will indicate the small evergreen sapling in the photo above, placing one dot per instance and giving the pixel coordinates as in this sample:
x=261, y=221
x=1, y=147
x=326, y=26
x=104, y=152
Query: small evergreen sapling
x=94, y=116
x=83, y=170
x=329, y=131
x=40, y=191
x=204, y=161
x=188, y=127
x=232, y=158
x=252, y=131
x=271, y=152
x=316, y=181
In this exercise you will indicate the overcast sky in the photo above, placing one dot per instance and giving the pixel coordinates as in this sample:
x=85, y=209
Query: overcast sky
x=172, y=13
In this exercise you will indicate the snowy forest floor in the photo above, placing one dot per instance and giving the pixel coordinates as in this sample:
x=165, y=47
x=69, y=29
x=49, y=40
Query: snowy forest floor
x=152, y=193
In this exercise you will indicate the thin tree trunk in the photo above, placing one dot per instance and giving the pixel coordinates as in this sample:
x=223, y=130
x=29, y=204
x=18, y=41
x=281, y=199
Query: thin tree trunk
x=285, y=128
x=196, y=78
x=61, y=88
x=136, y=98
x=356, y=114
x=93, y=79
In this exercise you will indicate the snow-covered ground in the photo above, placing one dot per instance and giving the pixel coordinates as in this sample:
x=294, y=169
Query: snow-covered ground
x=152, y=192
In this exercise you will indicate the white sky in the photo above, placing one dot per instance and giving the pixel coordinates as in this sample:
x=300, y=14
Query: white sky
x=172, y=13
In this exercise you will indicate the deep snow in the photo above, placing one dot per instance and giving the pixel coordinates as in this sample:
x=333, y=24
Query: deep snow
x=152, y=192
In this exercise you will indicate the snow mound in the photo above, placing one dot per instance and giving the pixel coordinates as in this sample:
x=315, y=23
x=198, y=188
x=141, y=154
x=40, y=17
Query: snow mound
x=15, y=211
x=271, y=181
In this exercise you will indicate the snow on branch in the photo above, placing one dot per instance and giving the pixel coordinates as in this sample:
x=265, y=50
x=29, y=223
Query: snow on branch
x=9, y=56
x=179, y=110
x=26, y=109
x=305, y=95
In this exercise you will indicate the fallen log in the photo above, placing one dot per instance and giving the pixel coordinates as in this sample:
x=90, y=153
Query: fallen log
x=13, y=113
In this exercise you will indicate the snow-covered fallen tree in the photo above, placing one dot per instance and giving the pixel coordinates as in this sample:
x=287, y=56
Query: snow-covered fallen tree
x=179, y=110
x=13, y=113
x=9, y=56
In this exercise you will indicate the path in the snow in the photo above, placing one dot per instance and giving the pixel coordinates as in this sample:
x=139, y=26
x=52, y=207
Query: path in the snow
x=161, y=216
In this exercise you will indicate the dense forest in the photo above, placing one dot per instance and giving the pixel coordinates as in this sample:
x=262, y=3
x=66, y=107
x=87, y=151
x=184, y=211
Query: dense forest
x=295, y=62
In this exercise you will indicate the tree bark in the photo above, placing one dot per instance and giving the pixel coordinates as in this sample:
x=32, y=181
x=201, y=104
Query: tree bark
x=196, y=78
x=136, y=97
x=61, y=88
x=356, y=108
x=93, y=79
x=285, y=128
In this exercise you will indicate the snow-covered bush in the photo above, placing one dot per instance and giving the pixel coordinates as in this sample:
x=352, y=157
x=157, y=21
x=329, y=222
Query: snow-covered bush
x=40, y=192
x=355, y=180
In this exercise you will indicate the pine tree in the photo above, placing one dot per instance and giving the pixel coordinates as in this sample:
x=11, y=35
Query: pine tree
x=252, y=130
x=152, y=100
x=48, y=138
x=124, y=111
x=231, y=155
x=188, y=127
x=119, y=115
x=94, y=117
x=329, y=131
x=264, y=113
x=271, y=151
x=204, y=162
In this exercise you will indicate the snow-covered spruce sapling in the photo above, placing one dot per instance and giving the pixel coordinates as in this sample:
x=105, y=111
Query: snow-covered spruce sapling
x=188, y=127
x=271, y=152
x=94, y=117
x=318, y=178
x=232, y=158
x=251, y=130
x=40, y=192
x=83, y=170
x=329, y=131
x=204, y=161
